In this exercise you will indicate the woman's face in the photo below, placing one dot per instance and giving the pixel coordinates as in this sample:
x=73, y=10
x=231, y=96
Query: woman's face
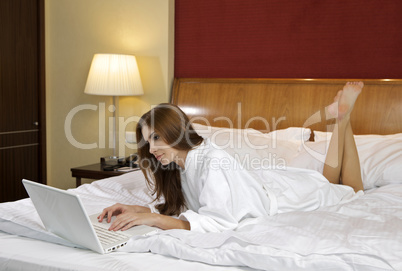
x=162, y=151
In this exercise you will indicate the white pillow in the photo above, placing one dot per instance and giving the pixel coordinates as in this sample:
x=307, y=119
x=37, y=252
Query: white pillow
x=293, y=133
x=254, y=149
x=380, y=157
x=209, y=131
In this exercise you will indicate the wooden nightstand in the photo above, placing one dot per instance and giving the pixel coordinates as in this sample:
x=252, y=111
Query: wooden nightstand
x=93, y=171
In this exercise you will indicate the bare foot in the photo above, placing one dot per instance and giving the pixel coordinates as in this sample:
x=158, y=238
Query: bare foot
x=332, y=109
x=344, y=100
x=348, y=98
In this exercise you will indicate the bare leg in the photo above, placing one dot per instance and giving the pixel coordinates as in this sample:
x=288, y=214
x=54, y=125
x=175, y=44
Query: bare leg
x=342, y=160
x=351, y=174
x=334, y=159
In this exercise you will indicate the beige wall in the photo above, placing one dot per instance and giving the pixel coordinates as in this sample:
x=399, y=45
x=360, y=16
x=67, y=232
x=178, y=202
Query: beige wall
x=75, y=31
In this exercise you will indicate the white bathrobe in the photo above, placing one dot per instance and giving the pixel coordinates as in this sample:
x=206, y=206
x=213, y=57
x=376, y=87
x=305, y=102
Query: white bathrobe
x=220, y=193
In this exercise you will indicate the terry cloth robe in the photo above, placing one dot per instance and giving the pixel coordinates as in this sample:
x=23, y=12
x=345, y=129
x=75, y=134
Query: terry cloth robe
x=220, y=193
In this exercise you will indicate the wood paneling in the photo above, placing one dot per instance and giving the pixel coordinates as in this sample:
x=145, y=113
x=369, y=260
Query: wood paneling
x=22, y=96
x=15, y=139
x=19, y=65
x=270, y=104
x=17, y=164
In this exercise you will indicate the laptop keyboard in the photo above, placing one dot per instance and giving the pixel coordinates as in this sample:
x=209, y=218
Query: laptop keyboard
x=107, y=237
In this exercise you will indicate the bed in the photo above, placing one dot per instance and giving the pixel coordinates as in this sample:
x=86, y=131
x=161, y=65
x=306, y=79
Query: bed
x=283, y=122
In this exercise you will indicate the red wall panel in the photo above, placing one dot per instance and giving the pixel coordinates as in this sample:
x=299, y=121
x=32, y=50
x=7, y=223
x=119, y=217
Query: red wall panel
x=288, y=38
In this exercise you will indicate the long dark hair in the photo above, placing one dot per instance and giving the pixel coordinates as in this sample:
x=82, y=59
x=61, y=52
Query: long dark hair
x=174, y=127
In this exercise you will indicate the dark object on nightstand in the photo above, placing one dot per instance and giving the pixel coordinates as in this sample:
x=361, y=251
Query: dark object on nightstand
x=111, y=163
x=95, y=171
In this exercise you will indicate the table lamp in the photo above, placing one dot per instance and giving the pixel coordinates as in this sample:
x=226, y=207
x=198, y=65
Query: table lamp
x=114, y=75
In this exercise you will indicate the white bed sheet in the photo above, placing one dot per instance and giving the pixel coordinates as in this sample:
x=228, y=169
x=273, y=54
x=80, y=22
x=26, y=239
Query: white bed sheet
x=364, y=234
x=21, y=253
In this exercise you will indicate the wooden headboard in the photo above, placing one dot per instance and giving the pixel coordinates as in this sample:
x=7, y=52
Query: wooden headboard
x=270, y=104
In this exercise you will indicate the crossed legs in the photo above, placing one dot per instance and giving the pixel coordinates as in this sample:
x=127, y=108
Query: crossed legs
x=342, y=160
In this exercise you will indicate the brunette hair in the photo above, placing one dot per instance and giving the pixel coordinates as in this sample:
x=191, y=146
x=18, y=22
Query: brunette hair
x=173, y=127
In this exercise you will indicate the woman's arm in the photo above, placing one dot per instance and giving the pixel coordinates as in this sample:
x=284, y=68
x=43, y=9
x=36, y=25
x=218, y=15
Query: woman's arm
x=129, y=219
x=128, y=216
x=168, y=223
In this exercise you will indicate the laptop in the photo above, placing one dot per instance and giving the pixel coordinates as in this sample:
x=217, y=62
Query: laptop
x=63, y=214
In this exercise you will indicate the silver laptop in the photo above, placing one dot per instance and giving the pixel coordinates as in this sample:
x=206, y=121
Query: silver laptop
x=63, y=214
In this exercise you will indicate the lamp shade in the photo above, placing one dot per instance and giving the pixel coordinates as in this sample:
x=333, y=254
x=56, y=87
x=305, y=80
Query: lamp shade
x=114, y=75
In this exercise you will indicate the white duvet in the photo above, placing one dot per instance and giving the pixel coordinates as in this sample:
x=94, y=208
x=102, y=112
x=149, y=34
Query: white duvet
x=364, y=234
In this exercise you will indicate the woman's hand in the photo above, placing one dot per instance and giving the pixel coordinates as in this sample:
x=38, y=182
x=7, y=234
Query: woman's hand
x=128, y=216
x=118, y=209
x=129, y=219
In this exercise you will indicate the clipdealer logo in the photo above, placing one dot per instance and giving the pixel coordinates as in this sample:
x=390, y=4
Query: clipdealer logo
x=232, y=142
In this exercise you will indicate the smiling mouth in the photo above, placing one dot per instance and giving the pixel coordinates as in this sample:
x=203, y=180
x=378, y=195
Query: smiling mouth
x=158, y=157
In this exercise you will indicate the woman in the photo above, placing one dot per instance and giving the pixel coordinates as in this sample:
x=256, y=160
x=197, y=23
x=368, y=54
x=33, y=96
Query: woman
x=208, y=189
